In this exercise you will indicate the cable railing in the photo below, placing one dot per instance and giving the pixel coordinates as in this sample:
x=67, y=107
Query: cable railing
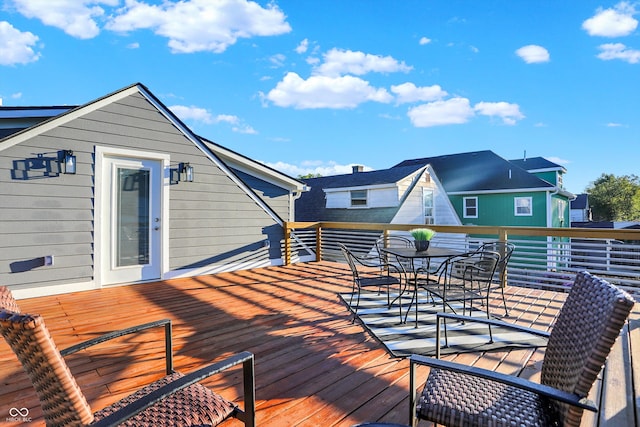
x=545, y=258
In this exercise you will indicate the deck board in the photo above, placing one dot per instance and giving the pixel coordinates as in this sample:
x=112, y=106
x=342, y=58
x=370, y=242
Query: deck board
x=313, y=365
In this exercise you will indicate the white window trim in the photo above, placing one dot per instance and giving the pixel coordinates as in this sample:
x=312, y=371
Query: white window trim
x=433, y=206
x=515, y=206
x=464, y=207
x=352, y=206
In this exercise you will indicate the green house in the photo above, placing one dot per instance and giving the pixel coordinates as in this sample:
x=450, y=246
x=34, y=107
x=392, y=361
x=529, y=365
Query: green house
x=486, y=189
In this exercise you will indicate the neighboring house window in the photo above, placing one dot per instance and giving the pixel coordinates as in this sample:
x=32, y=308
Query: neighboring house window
x=523, y=206
x=427, y=203
x=562, y=206
x=559, y=179
x=471, y=207
x=358, y=197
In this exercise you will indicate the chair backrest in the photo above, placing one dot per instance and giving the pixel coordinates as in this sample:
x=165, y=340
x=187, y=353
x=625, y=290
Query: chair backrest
x=7, y=301
x=62, y=401
x=479, y=266
x=350, y=260
x=587, y=326
x=391, y=241
x=505, y=249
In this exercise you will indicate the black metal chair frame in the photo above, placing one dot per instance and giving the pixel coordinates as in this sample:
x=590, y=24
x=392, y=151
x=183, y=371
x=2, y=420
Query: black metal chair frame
x=385, y=274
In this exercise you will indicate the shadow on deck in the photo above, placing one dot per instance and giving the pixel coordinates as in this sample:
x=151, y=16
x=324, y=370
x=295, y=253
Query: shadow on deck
x=313, y=366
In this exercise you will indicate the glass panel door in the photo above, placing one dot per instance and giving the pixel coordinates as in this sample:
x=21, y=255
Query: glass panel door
x=132, y=217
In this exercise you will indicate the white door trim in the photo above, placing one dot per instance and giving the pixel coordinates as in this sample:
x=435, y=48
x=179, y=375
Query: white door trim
x=100, y=199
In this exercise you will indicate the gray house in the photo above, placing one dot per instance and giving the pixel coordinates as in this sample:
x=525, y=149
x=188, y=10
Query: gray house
x=119, y=191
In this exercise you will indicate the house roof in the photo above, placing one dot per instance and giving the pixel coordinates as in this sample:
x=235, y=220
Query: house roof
x=580, y=202
x=480, y=171
x=311, y=205
x=537, y=164
x=363, y=179
x=252, y=167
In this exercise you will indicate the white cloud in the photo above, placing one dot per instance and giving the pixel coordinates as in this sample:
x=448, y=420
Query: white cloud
x=424, y=40
x=201, y=115
x=303, y=46
x=192, y=113
x=532, y=54
x=325, y=92
x=338, y=62
x=408, y=92
x=611, y=51
x=201, y=25
x=316, y=167
x=615, y=22
x=16, y=47
x=278, y=59
x=438, y=113
x=509, y=113
x=558, y=160
x=75, y=17
x=246, y=129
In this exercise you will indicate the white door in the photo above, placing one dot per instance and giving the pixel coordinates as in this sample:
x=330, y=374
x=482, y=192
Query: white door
x=131, y=244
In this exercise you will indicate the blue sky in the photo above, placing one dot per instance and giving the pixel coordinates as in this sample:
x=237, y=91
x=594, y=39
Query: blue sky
x=317, y=86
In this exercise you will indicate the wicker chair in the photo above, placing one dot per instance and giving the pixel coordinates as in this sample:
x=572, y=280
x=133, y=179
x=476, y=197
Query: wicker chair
x=370, y=273
x=580, y=341
x=174, y=400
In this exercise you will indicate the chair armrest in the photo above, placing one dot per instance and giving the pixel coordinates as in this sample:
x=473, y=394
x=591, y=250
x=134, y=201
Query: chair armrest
x=122, y=332
x=521, y=383
x=247, y=415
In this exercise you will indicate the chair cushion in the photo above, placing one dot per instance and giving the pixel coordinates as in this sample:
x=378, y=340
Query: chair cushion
x=483, y=402
x=195, y=405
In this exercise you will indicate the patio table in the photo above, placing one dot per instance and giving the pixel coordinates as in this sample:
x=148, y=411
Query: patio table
x=412, y=254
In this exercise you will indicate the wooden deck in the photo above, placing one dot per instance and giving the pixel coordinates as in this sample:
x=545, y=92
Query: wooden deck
x=313, y=366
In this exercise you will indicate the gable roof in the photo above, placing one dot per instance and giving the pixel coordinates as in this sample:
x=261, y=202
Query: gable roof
x=363, y=179
x=68, y=114
x=311, y=205
x=252, y=167
x=478, y=172
x=538, y=164
x=580, y=202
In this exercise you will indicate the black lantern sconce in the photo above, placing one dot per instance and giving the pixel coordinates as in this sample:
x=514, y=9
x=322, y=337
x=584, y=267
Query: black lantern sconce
x=187, y=170
x=69, y=162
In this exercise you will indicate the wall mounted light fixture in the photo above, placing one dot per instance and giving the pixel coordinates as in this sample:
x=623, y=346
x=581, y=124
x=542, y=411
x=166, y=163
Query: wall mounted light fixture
x=69, y=162
x=187, y=170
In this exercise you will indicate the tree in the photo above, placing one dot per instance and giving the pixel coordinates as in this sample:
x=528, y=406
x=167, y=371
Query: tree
x=614, y=198
x=310, y=175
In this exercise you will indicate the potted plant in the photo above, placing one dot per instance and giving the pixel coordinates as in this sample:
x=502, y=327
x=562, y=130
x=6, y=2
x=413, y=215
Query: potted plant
x=422, y=237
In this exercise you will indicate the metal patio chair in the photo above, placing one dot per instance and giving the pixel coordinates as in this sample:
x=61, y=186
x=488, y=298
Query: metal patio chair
x=586, y=328
x=505, y=249
x=370, y=273
x=174, y=400
x=467, y=278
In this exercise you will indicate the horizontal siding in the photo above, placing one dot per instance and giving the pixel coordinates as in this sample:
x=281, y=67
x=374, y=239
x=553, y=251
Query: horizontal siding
x=212, y=220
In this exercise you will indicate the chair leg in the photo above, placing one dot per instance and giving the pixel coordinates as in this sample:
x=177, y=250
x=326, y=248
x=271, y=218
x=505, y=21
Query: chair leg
x=504, y=302
x=355, y=310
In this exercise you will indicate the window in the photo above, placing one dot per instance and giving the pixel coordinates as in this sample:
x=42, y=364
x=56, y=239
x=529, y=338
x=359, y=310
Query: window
x=562, y=207
x=358, y=197
x=523, y=206
x=471, y=207
x=559, y=179
x=427, y=203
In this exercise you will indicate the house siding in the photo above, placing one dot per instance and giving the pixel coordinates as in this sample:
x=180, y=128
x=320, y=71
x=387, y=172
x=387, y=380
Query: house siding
x=498, y=209
x=212, y=220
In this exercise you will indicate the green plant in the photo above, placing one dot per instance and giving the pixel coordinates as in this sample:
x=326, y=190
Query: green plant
x=422, y=233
